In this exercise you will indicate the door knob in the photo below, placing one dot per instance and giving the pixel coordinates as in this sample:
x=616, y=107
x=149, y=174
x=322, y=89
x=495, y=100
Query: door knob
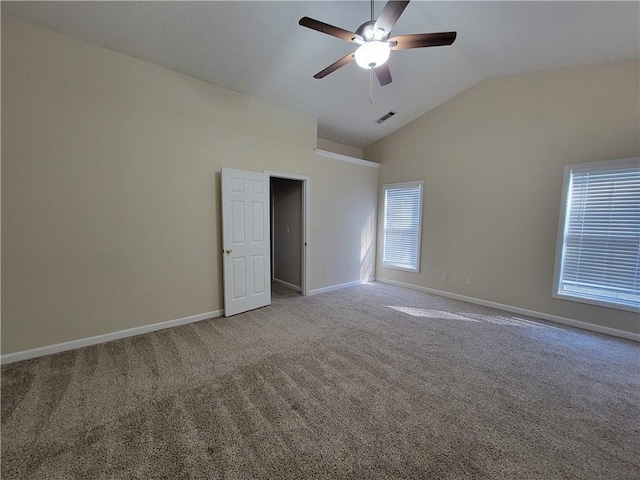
x=227, y=251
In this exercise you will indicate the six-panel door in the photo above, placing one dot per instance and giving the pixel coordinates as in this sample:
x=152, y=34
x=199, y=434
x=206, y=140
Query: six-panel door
x=245, y=240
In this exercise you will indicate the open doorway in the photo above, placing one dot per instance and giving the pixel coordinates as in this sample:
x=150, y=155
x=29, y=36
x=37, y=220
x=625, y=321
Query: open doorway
x=289, y=252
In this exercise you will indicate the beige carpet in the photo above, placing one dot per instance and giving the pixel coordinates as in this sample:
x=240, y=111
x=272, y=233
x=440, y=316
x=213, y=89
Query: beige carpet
x=367, y=382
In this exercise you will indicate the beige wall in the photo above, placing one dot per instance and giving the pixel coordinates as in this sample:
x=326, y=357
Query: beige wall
x=110, y=189
x=343, y=230
x=287, y=230
x=492, y=160
x=335, y=147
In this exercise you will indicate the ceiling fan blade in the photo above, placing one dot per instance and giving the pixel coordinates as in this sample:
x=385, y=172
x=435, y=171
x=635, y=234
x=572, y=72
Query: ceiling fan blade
x=384, y=74
x=329, y=29
x=419, y=40
x=349, y=57
x=390, y=15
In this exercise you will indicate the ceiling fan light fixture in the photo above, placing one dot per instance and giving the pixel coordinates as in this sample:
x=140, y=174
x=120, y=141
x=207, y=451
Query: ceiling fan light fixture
x=372, y=54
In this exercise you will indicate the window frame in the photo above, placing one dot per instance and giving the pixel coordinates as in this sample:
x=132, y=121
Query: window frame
x=560, y=241
x=408, y=184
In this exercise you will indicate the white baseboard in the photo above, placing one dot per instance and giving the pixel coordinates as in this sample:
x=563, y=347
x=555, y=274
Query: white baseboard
x=287, y=284
x=107, y=337
x=522, y=311
x=334, y=287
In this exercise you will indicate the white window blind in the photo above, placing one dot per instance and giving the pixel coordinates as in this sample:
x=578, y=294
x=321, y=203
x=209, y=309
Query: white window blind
x=402, y=225
x=600, y=251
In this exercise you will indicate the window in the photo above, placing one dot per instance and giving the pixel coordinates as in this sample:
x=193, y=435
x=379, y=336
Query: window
x=402, y=220
x=598, y=251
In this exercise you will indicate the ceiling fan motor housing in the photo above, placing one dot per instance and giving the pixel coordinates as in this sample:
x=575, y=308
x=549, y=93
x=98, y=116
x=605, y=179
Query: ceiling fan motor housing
x=368, y=33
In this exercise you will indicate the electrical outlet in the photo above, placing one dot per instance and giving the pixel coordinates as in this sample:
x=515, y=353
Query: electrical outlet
x=468, y=280
x=324, y=273
x=445, y=277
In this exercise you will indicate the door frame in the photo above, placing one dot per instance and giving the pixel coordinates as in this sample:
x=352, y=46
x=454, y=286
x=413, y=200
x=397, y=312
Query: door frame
x=306, y=270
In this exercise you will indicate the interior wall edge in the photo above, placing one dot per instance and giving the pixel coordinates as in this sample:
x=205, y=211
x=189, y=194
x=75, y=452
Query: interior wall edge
x=297, y=288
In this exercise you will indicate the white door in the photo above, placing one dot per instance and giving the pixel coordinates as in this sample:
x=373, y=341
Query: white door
x=245, y=240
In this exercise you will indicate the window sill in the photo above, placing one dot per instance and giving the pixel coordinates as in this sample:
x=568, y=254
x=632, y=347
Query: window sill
x=404, y=269
x=596, y=302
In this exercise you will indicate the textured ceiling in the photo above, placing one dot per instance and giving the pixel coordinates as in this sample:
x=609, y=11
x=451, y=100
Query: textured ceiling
x=259, y=49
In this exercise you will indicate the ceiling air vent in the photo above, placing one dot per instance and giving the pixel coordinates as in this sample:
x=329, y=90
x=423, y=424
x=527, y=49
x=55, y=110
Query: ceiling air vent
x=385, y=117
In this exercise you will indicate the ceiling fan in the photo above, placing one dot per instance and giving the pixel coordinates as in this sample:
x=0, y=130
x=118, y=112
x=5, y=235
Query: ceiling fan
x=374, y=44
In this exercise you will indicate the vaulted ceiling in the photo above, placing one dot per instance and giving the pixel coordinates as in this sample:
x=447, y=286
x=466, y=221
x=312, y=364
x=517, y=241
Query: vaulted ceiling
x=258, y=48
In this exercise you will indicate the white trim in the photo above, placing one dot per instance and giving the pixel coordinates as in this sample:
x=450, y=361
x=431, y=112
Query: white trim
x=557, y=267
x=345, y=158
x=604, y=164
x=593, y=301
x=287, y=284
x=289, y=176
x=411, y=184
x=335, y=287
x=522, y=311
x=107, y=337
x=306, y=228
x=272, y=224
x=562, y=226
x=306, y=224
